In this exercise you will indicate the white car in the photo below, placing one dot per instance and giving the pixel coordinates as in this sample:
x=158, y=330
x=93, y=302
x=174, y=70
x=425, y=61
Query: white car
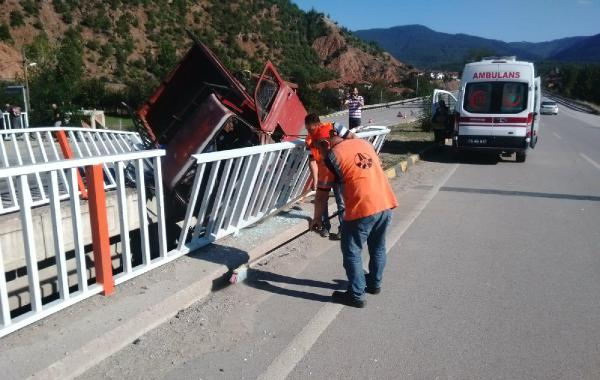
x=550, y=108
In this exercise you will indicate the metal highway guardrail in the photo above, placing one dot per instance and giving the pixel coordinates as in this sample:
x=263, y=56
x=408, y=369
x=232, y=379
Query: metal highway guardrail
x=379, y=105
x=570, y=103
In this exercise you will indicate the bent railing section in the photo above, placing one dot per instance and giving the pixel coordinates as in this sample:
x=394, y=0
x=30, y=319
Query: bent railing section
x=240, y=187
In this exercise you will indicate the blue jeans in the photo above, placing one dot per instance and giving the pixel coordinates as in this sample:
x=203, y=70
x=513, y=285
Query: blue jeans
x=355, y=233
x=339, y=201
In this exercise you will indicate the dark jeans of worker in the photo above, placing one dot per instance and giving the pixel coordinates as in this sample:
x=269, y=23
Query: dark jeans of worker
x=354, y=122
x=355, y=233
x=339, y=201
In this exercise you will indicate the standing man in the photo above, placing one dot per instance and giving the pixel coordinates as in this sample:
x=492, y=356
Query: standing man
x=368, y=198
x=317, y=131
x=56, y=116
x=15, y=116
x=354, y=103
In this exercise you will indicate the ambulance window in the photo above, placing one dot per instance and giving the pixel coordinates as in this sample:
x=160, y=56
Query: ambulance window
x=478, y=97
x=513, y=97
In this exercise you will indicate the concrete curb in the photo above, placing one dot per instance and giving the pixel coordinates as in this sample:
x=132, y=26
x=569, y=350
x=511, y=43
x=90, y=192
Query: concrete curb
x=401, y=168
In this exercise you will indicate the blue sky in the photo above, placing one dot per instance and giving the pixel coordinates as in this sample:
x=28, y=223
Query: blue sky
x=506, y=20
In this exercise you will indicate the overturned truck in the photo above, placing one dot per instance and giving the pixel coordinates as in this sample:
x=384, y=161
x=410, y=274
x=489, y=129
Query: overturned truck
x=201, y=107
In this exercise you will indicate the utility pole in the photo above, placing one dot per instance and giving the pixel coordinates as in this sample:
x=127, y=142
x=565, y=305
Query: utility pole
x=25, y=66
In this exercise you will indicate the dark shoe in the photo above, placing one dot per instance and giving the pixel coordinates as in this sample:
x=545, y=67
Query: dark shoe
x=335, y=236
x=324, y=233
x=346, y=299
x=371, y=290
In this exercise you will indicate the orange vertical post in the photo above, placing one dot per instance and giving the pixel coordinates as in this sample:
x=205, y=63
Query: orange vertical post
x=61, y=136
x=99, y=226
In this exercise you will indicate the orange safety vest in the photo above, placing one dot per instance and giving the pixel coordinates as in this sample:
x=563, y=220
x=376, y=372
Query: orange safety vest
x=365, y=187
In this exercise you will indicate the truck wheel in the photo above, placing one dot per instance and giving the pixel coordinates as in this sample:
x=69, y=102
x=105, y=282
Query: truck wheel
x=521, y=156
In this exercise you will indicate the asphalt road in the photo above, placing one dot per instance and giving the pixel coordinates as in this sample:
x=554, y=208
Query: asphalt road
x=493, y=273
x=386, y=116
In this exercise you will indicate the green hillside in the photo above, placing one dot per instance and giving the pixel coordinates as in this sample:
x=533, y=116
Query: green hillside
x=98, y=53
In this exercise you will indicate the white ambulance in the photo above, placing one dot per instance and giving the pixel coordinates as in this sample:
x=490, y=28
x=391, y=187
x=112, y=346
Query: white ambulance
x=498, y=107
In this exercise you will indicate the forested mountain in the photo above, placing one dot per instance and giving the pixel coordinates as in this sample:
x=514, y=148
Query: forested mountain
x=585, y=50
x=548, y=49
x=423, y=47
x=94, y=53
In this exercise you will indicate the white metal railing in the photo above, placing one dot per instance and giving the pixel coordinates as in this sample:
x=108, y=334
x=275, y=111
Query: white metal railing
x=242, y=186
x=29, y=146
x=375, y=135
x=17, y=122
x=232, y=190
x=38, y=308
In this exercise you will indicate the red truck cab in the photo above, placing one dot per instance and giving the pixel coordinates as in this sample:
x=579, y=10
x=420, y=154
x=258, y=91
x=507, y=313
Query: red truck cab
x=187, y=113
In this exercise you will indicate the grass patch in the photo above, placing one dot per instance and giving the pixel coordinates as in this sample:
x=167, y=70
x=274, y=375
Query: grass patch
x=403, y=141
x=119, y=123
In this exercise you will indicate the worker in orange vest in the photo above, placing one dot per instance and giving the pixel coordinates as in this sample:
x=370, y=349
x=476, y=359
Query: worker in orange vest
x=317, y=130
x=368, y=199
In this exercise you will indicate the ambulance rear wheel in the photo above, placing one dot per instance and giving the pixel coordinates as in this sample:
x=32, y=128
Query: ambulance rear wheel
x=521, y=156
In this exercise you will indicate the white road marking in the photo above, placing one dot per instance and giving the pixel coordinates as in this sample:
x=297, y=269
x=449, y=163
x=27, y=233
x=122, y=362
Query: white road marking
x=594, y=163
x=287, y=360
x=557, y=135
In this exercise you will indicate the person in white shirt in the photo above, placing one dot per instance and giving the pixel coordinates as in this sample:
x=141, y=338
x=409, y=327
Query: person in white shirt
x=354, y=103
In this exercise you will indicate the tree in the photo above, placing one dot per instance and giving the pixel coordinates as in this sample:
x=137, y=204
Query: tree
x=166, y=57
x=58, y=79
x=5, y=33
x=16, y=19
x=69, y=65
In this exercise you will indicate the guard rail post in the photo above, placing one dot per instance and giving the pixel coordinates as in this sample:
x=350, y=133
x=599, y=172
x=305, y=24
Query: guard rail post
x=99, y=227
x=61, y=136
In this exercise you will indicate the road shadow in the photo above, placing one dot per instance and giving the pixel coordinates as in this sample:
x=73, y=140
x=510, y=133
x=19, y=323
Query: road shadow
x=404, y=147
x=214, y=253
x=445, y=155
x=230, y=257
x=265, y=280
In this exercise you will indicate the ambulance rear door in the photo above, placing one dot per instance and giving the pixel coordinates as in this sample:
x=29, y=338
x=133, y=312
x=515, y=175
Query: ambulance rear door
x=512, y=122
x=476, y=121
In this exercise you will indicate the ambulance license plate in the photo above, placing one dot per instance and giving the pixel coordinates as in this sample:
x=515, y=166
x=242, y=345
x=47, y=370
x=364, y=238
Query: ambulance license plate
x=477, y=141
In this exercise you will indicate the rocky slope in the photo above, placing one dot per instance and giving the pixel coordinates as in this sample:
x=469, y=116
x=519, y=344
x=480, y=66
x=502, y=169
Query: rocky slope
x=354, y=65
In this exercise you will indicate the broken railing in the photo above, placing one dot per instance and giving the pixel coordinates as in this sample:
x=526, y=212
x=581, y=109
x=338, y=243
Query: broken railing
x=75, y=248
x=235, y=188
